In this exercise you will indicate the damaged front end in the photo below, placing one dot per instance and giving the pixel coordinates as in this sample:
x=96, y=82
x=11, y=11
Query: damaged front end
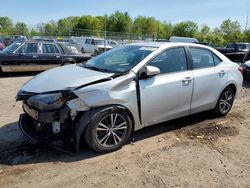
x=50, y=117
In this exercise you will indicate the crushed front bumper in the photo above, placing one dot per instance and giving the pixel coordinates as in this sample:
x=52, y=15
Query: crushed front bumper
x=62, y=142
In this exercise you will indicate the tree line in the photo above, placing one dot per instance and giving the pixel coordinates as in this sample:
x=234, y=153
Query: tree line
x=228, y=31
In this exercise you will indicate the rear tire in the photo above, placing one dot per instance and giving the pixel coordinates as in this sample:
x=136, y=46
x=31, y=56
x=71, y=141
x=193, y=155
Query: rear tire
x=108, y=130
x=225, y=102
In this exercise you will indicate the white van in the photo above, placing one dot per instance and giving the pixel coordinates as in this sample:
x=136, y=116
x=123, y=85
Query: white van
x=91, y=45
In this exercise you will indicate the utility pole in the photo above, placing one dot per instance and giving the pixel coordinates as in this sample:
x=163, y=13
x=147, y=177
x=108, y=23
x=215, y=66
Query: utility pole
x=246, y=26
x=105, y=32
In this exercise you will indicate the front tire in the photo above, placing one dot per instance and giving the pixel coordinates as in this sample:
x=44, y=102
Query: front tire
x=225, y=102
x=108, y=130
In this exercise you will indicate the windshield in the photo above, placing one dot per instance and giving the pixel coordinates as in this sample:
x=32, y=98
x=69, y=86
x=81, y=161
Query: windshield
x=11, y=48
x=119, y=60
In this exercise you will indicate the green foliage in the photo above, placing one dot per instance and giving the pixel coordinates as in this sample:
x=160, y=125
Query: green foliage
x=185, y=29
x=141, y=26
x=119, y=22
x=21, y=29
x=231, y=30
x=5, y=25
x=89, y=22
x=50, y=28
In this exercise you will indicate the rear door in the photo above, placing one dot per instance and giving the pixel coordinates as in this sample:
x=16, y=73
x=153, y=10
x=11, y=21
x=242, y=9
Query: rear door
x=50, y=56
x=167, y=95
x=210, y=77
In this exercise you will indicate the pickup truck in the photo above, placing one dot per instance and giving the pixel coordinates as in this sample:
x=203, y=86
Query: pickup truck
x=236, y=52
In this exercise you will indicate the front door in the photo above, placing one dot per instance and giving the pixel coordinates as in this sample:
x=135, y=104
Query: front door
x=26, y=58
x=167, y=95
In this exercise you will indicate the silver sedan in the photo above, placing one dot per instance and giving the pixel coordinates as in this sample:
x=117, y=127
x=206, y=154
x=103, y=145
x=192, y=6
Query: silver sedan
x=124, y=90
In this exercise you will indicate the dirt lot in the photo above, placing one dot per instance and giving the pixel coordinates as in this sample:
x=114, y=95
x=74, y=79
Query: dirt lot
x=197, y=151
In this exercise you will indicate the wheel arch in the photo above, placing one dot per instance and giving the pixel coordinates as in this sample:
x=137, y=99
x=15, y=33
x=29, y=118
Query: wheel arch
x=83, y=121
x=233, y=86
x=72, y=61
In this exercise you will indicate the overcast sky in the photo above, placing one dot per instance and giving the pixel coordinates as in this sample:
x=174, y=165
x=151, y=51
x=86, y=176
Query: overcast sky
x=209, y=12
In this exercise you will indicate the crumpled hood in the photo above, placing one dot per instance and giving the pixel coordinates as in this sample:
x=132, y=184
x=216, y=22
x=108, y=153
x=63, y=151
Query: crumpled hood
x=62, y=78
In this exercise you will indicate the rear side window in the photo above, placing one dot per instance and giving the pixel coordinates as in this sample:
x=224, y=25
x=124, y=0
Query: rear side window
x=171, y=60
x=217, y=60
x=49, y=49
x=202, y=58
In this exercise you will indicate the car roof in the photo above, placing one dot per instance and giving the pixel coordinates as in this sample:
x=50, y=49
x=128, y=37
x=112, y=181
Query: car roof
x=166, y=44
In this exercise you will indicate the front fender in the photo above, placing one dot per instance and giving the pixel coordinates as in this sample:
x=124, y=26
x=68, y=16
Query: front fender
x=83, y=121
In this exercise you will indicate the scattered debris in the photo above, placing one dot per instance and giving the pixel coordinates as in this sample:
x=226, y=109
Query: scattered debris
x=200, y=136
x=24, y=174
x=221, y=122
x=178, y=139
x=1, y=170
x=160, y=139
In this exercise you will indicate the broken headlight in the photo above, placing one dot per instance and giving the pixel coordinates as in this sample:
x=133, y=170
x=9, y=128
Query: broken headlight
x=46, y=102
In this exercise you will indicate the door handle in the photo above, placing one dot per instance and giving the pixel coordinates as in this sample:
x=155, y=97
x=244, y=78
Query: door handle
x=186, y=80
x=222, y=73
x=35, y=56
x=57, y=56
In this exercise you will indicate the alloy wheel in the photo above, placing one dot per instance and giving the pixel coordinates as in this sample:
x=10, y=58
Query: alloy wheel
x=111, y=130
x=226, y=101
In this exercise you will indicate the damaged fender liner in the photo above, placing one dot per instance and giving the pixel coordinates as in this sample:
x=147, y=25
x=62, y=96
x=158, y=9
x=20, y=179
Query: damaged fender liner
x=35, y=140
x=78, y=128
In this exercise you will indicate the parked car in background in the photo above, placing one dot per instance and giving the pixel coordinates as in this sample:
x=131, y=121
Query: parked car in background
x=236, y=52
x=113, y=43
x=123, y=90
x=246, y=70
x=19, y=38
x=94, y=46
x=7, y=41
x=73, y=48
x=2, y=46
x=37, y=56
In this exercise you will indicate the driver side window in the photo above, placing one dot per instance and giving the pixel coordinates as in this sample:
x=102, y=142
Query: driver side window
x=171, y=60
x=28, y=48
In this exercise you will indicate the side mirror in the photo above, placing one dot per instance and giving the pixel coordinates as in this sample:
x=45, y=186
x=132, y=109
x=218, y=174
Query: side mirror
x=152, y=71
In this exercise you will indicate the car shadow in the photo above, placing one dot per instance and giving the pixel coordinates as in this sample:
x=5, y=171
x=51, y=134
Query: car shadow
x=17, y=74
x=20, y=151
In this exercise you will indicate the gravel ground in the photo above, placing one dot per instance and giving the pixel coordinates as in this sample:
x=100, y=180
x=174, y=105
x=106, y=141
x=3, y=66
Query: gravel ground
x=196, y=151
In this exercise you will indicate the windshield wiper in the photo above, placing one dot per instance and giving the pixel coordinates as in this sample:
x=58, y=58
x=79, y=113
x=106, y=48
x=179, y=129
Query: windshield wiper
x=95, y=68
